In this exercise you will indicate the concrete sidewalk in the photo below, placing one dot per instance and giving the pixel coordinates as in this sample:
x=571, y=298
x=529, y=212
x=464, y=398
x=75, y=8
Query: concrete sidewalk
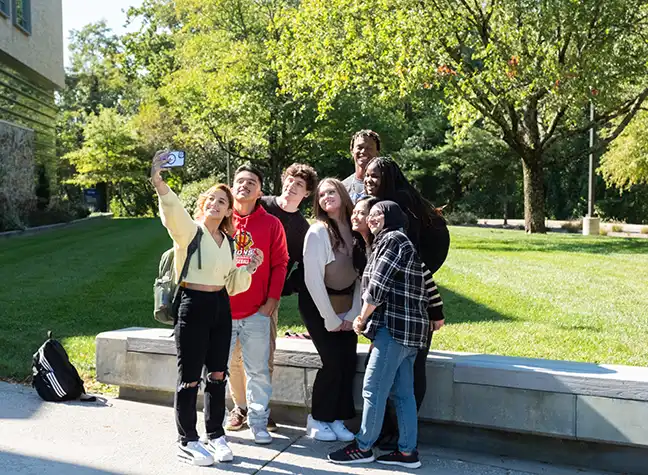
x=125, y=437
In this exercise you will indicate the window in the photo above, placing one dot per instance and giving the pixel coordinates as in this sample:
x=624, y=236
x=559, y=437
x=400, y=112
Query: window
x=22, y=14
x=4, y=8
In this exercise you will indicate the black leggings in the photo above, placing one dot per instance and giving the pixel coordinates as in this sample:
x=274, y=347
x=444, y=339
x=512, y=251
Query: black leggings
x=203, y=333
x=390, y=422
x=333, y=386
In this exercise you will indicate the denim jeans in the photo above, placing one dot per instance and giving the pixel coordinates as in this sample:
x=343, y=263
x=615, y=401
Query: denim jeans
x=253, y=334
x=390, y=370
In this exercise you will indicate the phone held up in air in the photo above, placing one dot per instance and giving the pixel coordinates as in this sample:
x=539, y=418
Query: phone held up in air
x=176, y=158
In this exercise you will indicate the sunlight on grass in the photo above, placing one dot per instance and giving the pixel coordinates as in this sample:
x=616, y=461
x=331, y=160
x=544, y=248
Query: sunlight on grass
x=555, y=296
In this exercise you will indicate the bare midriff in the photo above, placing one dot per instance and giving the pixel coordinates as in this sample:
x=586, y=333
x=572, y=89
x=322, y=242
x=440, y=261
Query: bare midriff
x=202, y=287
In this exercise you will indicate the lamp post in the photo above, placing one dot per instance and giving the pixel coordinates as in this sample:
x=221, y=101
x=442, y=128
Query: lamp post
x=591, y=225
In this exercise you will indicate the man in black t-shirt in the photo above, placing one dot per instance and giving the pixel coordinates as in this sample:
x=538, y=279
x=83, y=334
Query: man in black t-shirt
x=298, y=182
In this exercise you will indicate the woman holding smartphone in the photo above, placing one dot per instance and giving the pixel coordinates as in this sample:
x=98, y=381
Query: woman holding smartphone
x=204, y=321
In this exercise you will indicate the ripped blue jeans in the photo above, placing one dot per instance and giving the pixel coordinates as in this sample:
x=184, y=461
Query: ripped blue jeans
x=202, y=337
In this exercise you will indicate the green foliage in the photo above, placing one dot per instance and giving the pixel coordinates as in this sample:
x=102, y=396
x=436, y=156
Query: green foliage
x=110, y=155
x=617, y=228
x=626, y=162
x=644, y=230
x=190, y=192
x=528, y=69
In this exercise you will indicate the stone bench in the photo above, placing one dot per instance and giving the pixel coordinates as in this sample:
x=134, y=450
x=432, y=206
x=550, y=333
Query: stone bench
x=581, y=402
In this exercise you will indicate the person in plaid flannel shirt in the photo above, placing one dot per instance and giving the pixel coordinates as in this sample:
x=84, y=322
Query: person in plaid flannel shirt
x=395, y=317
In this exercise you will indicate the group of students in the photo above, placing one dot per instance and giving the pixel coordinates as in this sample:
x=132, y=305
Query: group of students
x=364, y=267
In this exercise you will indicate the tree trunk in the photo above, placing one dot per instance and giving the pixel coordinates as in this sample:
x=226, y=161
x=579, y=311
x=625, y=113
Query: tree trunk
x=534, y=204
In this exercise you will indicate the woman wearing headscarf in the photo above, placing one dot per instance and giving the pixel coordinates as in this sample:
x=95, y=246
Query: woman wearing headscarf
x=429, y=233
x=395, y=317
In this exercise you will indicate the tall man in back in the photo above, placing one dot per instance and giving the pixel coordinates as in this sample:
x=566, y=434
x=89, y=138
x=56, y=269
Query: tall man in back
x=298, y=182
x=252, y=311
x=365, y=146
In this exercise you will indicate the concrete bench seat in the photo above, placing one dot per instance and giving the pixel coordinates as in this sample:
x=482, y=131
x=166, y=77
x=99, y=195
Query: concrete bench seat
x=560, y=399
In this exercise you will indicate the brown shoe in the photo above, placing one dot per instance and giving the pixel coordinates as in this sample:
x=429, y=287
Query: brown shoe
x=272, y=425
x=237, y=419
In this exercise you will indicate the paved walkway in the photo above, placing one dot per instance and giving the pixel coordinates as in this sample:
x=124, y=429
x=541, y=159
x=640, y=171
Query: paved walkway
x=124, y=437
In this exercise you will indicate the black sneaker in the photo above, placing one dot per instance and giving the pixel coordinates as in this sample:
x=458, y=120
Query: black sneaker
x=398, y=458
x=351, y=454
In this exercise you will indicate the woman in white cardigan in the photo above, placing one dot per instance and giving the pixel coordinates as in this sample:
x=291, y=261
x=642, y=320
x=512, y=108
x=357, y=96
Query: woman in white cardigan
x=331, y=271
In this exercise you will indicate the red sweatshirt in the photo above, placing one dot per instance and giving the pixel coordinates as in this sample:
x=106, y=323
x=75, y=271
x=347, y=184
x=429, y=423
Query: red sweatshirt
x=259, y=230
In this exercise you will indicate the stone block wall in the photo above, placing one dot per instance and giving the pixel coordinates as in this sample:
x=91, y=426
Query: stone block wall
x=17, y=186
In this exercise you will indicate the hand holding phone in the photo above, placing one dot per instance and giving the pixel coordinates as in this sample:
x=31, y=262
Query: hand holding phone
x=174, y=158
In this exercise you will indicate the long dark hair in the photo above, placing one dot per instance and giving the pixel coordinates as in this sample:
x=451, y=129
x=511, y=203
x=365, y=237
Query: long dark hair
x=359, y=257
x=396, y=187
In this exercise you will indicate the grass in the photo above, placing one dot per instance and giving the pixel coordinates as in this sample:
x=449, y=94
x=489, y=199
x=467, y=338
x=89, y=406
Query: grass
x=555, y=296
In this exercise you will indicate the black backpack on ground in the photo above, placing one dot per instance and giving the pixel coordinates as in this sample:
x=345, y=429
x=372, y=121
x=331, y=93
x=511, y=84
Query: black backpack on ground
x=54, y=377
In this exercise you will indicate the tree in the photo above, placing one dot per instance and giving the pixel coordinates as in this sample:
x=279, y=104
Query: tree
x=529, y=68
x=110, y=155
x=626, y=162
x=226, y=90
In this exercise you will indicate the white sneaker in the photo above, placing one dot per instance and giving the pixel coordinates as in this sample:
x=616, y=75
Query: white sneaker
x=261, y=435
x=319, y=430
x=220, y=450
x=195, y=453
x=341, y=432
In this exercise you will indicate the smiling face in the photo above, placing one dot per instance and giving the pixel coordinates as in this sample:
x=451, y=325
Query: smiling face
x=216, y=206
x=372, y=179
x=359, y=217
x=375, y=220
x=363, y=151
x=329, y=199
x=247, y=187
x=294, y=189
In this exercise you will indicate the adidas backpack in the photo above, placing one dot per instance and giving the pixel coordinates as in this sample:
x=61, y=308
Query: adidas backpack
x=54, y=377
x=166, y=287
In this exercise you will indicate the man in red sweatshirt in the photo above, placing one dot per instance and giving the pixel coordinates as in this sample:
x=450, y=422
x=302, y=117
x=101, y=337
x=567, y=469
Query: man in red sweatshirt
x=256, y=232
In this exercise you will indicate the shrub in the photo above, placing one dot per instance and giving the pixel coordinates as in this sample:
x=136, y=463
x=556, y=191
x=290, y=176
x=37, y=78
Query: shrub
x=58, y=211
x=603, y=232
x=573, y=226
x=461, y=217
x=617, y=228
x=644, y=230
x=190, y=192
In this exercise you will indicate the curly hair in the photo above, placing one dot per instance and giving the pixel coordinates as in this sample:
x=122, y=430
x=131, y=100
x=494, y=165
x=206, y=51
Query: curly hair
x=226, y=224
x=368, y=134
x=305, y=172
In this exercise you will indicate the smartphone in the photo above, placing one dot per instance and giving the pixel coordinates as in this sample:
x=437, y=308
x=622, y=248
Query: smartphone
x=176, y=158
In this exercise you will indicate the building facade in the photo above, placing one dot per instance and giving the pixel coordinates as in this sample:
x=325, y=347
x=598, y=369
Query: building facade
x=31, y=70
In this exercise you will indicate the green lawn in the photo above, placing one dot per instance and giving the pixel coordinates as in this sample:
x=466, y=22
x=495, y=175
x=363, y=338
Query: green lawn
x=554, y=296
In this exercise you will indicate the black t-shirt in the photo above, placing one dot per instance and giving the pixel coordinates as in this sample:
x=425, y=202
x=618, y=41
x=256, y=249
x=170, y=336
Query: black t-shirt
x=295, y=226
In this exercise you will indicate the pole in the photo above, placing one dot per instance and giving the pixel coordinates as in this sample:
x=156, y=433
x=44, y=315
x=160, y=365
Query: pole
x=229, y=183
x=590, y=191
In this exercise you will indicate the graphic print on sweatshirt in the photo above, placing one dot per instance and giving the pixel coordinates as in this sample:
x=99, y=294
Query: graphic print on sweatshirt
x=244, y=247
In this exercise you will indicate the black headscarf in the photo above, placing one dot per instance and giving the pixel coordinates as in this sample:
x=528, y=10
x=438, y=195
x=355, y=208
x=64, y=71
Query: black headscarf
x=395, y=219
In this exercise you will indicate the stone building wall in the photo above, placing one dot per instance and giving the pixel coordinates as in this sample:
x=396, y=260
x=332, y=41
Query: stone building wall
x=17, y=172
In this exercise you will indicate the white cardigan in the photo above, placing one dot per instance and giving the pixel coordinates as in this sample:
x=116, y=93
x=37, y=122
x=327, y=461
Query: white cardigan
x=318, y=252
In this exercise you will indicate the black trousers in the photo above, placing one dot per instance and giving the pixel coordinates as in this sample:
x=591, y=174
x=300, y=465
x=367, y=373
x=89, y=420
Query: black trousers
x=333, y=386
x=203, y=333
x=390, y=422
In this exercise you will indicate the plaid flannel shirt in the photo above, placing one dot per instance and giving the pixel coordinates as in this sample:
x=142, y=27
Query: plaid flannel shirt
x=394, y=282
